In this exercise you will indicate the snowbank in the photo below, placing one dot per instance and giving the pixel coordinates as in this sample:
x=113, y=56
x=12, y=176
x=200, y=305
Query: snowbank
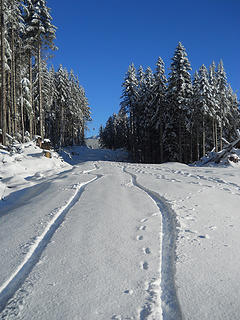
x=25, y=166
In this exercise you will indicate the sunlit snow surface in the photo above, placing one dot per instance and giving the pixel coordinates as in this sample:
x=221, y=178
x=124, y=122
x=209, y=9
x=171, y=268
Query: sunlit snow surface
x=91, y=237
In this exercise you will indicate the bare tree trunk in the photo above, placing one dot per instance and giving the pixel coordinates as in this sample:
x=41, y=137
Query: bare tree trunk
x=3, y=80
x=221, y=142
x=213, y=132
x=40, y=90
x=198, y=147
x=13, y=87
x=62, y=125
x=9, y=105
x=31, y=116
x=191, y=145
x=180, y=140
x=203, y=137
x=161, y=139
x=22, y=113
x=216, y=137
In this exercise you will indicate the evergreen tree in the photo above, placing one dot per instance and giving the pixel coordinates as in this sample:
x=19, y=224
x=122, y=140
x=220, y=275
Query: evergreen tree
x=130, y=97
x=179, y=95
x=159, y=92
x=222, y=98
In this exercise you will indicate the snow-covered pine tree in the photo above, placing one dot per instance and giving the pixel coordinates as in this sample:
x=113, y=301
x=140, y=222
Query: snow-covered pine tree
x=130, y=97
x=233, y=115
x=215, y=110
x=195, y=122
x=159, y=93
x=148, y=105
x=62, y=85
x=202, y=104
x=222, y=98
x=40, y=33
x=85, y=114
x=109, y=133
x=122, y=130
x=15, y=30
x=139, y=115
x=179, y=95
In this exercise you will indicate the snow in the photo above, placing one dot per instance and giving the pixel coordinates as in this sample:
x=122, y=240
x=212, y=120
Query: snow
x=95, y=238
x=25, y=166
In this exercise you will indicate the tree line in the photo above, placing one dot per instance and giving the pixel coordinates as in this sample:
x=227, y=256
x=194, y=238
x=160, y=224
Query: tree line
x=36, y=100
x=176, y=118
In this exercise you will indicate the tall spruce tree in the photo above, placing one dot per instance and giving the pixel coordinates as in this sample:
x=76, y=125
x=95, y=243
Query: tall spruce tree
x=179, y=95
x=159, y=93
x=130, y=97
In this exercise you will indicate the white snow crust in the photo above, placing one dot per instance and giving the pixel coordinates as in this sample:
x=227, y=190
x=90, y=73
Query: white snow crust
x=91, y=237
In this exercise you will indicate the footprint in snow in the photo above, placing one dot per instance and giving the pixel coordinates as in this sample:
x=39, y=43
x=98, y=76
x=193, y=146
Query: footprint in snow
x=212, y=228
x=139, y=237
x=144, y=220
x=128, y=292
x=144, y=265
x=155, y=214
x=142, y=228
x=146, y=250
x=204, y=236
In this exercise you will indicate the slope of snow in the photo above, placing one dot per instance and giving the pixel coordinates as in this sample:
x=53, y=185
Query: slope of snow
x=26, y=166
x=98, y=239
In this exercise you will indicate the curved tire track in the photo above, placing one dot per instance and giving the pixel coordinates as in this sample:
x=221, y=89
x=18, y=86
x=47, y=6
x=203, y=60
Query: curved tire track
x=12, y=284
x=170, y=307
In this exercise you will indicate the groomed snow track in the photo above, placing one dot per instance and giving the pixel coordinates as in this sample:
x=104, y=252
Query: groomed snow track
x=13, y=283
x=170, y=308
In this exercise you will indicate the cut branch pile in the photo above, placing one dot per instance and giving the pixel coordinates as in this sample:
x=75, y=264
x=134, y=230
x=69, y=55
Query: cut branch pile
x=227, y=154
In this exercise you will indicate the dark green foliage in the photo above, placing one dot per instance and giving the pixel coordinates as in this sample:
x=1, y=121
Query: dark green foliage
x=176, y=119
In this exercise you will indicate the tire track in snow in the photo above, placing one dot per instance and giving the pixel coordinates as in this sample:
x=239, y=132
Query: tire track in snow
x=13, y=283
x=162, y=289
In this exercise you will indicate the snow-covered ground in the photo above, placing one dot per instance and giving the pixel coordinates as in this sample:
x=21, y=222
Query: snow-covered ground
x=93, y=238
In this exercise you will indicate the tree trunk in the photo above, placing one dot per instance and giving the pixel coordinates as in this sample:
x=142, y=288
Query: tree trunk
x=31, y=116
x=13, y=87
x=213, y=131
x=203, y=137
x=3, y=80
x=221, y=144
x=40, y=90
x=216, y=137
x=180, y=140
x=198, y=147
x=161, y=139
x=9, y=105
x=22, y=113
x=62, y=125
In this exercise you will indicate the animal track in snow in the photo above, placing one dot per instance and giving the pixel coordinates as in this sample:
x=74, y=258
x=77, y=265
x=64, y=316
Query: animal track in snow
x=128, y=292
x=142, y=228
x=146, y=250
x=139, y=237
x=212, y=228
x=155, y=214
x=144, y=220
x=206, y=236
x=144, y=265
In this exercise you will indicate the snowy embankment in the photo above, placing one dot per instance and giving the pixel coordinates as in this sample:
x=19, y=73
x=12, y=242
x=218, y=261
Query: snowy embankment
x=98, y=239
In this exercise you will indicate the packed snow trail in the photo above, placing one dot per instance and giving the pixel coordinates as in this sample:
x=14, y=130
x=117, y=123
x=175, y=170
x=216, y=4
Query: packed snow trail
x=103, y=260
x=170, y=307
x=8, y=288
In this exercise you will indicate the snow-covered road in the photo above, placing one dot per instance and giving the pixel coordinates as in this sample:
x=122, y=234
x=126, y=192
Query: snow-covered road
x=110, y=240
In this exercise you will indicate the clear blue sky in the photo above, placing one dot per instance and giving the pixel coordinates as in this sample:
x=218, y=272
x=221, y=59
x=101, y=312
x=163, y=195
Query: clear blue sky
x=98, y=39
